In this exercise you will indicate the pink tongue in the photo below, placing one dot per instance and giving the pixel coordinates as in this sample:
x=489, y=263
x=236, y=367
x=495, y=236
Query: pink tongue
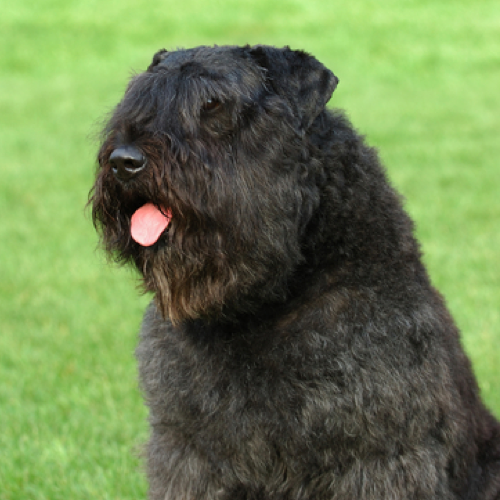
x=147, y=224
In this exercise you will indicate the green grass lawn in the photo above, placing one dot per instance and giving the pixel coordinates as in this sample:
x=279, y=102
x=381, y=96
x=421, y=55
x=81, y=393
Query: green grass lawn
x=420, y=78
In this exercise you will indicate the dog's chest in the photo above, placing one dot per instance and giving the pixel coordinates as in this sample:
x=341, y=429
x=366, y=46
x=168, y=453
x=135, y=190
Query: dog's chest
x=233, y=396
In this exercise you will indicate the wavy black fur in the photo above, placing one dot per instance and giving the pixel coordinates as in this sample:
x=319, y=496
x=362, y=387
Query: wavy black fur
x=296, y=348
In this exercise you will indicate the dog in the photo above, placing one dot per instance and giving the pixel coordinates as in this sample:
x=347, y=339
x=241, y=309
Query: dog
x=295, y=348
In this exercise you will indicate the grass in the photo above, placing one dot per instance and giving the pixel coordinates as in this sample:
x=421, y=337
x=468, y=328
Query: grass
x=419, y=77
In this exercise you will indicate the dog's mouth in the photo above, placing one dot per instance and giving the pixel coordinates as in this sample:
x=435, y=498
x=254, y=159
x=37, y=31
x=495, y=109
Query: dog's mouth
x=148, y=223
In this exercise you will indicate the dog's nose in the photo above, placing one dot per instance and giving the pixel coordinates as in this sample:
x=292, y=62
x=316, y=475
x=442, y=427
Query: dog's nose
x=126, y=162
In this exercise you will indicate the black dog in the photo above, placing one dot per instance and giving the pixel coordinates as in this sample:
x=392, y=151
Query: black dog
x=295, y=348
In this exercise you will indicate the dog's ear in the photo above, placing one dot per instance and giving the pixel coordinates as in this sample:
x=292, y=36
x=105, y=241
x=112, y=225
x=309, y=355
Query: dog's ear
x=158, y=58
x=299, y=77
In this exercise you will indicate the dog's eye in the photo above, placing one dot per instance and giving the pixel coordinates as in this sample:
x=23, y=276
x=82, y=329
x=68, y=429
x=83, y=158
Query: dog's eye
x=211, y=105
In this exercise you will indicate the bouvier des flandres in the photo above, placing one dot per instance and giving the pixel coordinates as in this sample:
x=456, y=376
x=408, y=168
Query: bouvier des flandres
x=295, y=348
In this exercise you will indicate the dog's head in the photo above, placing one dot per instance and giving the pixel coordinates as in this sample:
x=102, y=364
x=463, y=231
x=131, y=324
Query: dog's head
x=205, y=178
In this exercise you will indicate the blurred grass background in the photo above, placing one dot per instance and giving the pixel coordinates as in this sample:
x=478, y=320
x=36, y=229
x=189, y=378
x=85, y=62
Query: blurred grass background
x=420, y=78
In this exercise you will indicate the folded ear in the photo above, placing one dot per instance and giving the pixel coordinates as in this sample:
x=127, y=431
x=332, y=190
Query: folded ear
x=299, y=77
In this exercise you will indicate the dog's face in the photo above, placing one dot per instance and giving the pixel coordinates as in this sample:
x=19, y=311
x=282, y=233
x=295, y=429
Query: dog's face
x=205, y=180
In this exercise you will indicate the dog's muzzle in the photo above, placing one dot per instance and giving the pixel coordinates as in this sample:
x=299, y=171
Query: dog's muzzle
x=126, y=162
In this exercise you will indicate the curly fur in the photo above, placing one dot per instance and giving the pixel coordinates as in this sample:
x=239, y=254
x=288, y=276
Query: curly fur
x=295, y=348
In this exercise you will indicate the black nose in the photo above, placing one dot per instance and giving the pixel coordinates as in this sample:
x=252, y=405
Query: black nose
x=126, y=162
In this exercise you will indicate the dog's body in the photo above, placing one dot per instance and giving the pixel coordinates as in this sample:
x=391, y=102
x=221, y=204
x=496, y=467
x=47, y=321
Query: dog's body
x=296, y=348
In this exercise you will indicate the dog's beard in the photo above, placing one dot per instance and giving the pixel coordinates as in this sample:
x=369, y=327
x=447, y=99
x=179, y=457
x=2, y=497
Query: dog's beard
x=216, y=282
x=215, y=266
x=186, y=287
